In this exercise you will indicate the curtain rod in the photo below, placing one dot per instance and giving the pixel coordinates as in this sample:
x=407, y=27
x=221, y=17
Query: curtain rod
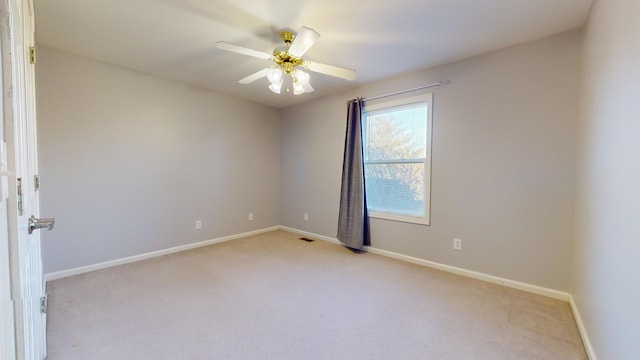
x=441, y=83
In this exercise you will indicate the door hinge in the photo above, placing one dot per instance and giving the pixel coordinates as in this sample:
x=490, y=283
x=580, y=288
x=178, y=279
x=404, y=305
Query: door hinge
x=32, y=54
x=20, y=199
x=36, y=182
x=44, y=303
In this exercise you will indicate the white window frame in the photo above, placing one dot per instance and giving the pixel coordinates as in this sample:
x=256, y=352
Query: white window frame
x=428, y=99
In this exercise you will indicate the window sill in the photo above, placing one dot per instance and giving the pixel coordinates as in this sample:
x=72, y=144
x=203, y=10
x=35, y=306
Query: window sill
x=400, y=218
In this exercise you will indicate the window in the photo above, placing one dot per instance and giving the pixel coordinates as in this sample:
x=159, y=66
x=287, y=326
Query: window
x=397, y=159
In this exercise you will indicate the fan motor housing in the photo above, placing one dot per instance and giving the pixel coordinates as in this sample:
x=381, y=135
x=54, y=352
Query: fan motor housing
x=282, y=57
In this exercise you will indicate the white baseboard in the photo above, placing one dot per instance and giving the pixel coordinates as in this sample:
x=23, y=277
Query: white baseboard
x=130, y=259
x=588, y=347
x=560, y=295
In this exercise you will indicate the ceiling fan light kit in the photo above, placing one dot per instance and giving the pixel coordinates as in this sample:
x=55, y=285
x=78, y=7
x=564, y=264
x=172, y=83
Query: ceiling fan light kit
x=300, y=80
x=288, y=60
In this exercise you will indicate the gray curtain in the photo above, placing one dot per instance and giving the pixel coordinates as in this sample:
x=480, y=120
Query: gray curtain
x=353, y=220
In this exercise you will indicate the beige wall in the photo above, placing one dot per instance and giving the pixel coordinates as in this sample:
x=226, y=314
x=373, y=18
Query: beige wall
x=606, y=284
x=503, y=163
x=130, y=161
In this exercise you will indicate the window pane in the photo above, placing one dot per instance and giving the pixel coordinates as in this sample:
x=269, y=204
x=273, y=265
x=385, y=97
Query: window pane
x=396, y=146
x=396, y=133
x=395, y=188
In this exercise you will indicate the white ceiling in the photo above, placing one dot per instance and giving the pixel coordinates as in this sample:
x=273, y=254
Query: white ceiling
x=176, y=39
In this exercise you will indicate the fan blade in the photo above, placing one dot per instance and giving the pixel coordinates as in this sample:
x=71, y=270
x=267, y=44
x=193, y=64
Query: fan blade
x=336, y=71
x=243, y=50
x=255, y=76
x=304, y=40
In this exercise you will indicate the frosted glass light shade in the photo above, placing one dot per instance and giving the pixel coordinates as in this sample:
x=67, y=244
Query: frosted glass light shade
x=297, y=88
x=301, y=82
x=276, y=86
x=274, y=75
x=301, y=77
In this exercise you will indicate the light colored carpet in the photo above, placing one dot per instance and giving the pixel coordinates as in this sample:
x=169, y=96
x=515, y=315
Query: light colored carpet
x=273, y=296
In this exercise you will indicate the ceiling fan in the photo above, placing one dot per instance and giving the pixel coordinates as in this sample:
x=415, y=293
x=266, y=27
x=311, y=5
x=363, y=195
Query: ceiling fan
x=288, y=60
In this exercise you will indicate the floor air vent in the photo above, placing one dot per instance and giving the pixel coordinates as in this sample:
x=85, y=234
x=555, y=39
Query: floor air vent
x=307, y=239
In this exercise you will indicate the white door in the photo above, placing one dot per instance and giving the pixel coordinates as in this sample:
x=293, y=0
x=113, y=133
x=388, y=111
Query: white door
x=19, y=115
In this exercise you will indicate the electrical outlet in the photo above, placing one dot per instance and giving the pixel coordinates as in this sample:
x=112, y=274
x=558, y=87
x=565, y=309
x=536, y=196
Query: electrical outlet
x=457, y=244
x=306, y=217
x=250, y=216
x=198, y=224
